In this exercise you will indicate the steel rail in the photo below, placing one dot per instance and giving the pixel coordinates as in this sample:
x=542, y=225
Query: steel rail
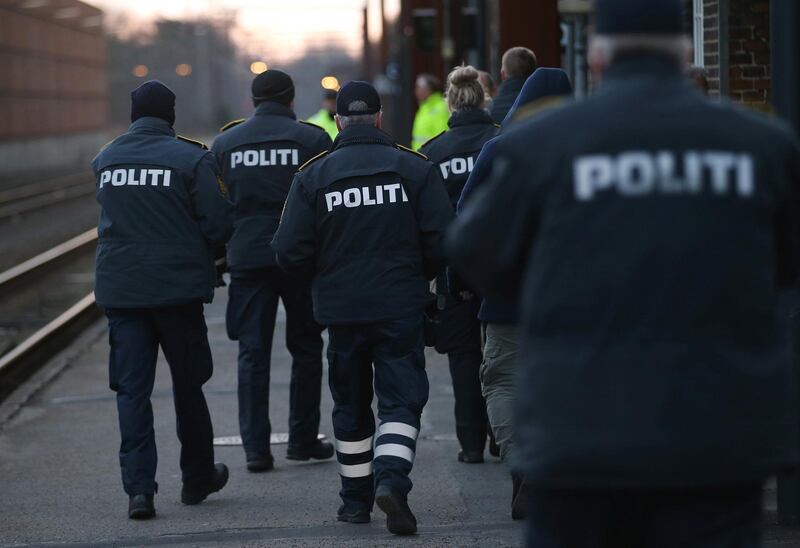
x=17, y=274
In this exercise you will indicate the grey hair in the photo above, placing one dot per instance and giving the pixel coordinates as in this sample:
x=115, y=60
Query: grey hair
x=610, y=47
x=358, y=119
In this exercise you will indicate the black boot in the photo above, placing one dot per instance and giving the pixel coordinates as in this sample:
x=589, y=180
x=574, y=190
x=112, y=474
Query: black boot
x=352, y=516
x=319, y=450
x=519, y=501
x=141, y=507
x=399, y=518
x=470, y=457
x=260, y=463
x=195, y=494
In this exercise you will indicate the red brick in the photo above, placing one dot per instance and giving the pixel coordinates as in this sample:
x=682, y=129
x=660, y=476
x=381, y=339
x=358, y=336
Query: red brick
x=760, y=7
x=756, y=71
x=741, y=85
x=755, y=45
x=742, y=59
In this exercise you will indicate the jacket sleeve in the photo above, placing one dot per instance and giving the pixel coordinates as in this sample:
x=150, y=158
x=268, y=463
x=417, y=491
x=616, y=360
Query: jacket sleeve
x=480, y=173
x=295, y=240
x=489, y=242
x=434, y=215
x=212, y=209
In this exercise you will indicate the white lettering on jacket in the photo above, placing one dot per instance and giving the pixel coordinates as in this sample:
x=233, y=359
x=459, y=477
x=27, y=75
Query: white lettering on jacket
x=273, y=157
x=639, y=173
x=365, y=196
x=457, y=166
x=135, y=177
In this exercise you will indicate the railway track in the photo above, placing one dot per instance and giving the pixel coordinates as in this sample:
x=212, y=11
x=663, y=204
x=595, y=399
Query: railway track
x=36, y=325
x=34, y=196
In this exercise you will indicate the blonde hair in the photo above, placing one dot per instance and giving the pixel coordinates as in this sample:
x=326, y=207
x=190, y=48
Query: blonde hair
x=464, y=89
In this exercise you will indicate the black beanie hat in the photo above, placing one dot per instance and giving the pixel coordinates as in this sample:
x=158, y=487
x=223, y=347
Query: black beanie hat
x=153, y=99
x=273, y=85
x=638, y=17
x=357, y=91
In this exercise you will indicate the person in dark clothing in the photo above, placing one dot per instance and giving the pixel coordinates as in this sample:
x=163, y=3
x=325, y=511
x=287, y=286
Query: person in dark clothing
x=367, y=221
x=458, y=332
x=259, y=157
x=164, y=218
x=655, y=392
x=500, y=317
x=518, y=63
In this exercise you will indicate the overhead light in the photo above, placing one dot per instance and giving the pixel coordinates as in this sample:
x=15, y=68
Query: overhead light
x=330, y=82
x=184, y=69
x=257, y=67
x=140, y=71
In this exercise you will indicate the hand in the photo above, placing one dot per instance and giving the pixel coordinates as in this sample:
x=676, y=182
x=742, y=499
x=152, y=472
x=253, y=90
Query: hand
x=221, y=265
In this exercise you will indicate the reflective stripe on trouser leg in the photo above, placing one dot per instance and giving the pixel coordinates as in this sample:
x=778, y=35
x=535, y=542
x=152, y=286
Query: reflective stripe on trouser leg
x=395, y=449
x=355, y=457
x=355, y=470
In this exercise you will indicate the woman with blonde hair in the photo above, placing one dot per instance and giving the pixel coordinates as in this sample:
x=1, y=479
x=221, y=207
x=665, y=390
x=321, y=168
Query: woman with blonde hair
x=458, y=334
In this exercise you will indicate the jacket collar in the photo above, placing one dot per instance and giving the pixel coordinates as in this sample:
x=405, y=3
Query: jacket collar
x=511, y=85
x=469, y=117
x=362, y=134
x=642, y=65
x=275, y=109
x=152, y=126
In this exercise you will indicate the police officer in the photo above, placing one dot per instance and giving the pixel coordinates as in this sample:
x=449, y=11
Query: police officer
x=650, y=231
x=324, y=118
x=367, y=221
x=458, y=334
x=432, y=114
x=163, y=219
x=259, y=157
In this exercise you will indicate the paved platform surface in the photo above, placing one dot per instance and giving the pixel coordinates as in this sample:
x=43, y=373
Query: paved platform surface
x=60, y=483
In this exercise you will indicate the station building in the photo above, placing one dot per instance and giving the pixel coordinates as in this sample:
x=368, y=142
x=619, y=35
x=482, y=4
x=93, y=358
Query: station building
x=54, y=85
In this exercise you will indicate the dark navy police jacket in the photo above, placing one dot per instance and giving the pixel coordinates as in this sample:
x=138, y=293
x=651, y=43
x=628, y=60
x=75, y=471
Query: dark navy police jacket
x=455, y=152
x=650, y=231
x=259, y=158
x=163, y=219
x=367, y=221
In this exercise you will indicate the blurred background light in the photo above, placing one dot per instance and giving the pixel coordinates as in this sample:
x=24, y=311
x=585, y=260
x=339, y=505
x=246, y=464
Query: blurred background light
x=330, y=82
x=140, y=71
x=184, y=69
x=257, y=67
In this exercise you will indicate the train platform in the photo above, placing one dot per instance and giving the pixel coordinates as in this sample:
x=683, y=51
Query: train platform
x=61, y=483
x=61, y=487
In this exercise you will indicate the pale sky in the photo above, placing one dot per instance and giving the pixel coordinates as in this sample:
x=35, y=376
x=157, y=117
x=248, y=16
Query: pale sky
x=270, y=28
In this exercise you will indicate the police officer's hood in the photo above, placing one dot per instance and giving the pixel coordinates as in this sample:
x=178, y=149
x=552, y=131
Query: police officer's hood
x=543, y=83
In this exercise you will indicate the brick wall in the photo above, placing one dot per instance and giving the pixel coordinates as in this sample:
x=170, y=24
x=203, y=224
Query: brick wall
x=748, y=75
x=749, y=47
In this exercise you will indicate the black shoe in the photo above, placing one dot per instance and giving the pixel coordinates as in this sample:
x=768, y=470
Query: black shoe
x=399, y=518
x=320, y=450
x=470, y=457
x=494, y=449
x=197, y=493
x=352, y=516
x=260, y=463
x=141, y=507
x=519, y=503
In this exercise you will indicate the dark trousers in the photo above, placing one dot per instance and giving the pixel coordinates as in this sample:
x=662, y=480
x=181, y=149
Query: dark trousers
x=250, y=318
x=394, y=351
x=458, y=334
x=721, y=517
x=135, y=335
